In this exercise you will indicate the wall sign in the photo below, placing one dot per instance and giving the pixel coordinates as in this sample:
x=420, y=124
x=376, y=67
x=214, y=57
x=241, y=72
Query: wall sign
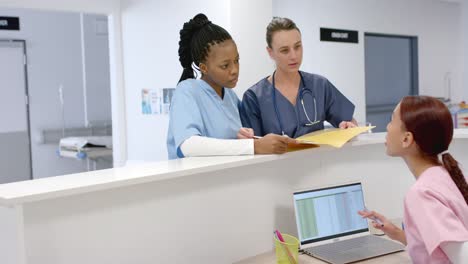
x=9, y=23
x=338, y=35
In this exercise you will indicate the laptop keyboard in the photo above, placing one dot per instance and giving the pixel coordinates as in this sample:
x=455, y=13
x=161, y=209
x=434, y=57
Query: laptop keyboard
x=355, y=249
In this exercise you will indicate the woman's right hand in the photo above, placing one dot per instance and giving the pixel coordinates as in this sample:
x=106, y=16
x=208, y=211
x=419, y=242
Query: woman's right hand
x=272, y=144
x=245, y=133
x=391, y=230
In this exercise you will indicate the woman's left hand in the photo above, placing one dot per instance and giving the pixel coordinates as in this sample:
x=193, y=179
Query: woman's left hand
x=245, y=133
x=347, y=124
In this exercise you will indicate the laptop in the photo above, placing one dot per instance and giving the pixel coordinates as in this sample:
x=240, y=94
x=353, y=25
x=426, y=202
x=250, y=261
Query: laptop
x=330, y=229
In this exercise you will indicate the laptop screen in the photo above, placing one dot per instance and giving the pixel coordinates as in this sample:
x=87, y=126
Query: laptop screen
x=329, y=213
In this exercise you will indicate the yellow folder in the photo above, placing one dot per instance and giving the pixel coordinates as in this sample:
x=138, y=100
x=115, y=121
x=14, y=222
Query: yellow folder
x=335, y=137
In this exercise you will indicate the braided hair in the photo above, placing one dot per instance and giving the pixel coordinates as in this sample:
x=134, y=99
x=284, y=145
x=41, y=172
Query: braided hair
x=196, y=38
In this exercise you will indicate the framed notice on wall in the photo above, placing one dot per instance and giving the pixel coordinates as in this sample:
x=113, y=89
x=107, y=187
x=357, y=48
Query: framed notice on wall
x=156, y=101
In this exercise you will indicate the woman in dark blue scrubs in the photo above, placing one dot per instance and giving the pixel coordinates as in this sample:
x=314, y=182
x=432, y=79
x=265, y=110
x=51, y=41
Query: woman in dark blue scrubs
x=292, y=102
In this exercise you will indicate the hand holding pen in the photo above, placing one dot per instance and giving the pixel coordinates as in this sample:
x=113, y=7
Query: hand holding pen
x=372, y=216
x=245, y=133
x=272, y=144
x=381, y=223
x=269, y=144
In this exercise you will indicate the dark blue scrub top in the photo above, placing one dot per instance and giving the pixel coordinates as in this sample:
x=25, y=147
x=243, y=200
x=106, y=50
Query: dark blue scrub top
x=258, y=111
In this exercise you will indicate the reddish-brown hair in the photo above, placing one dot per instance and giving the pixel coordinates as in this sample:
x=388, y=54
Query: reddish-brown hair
x=430, y=122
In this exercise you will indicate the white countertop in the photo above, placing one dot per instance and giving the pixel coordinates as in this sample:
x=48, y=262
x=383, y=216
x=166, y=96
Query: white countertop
x=53, y=187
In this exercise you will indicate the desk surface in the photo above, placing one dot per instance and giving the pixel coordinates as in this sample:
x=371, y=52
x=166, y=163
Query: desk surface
x=269, y=258
x=72, y=184
x=54, y=187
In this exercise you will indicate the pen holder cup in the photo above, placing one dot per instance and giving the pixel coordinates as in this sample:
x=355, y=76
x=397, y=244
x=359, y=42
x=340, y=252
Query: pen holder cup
x=287, y=252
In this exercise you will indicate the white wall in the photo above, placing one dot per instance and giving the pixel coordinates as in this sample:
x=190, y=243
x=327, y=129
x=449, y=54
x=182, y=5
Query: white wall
x=248, y=24
x=436, y=23
x=54, y=50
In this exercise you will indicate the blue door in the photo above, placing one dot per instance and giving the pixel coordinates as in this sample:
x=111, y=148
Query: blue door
x=391, y=73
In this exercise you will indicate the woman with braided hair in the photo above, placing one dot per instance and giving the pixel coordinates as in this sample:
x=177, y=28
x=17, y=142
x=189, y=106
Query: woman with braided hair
x=204, y=114
x=436, y=206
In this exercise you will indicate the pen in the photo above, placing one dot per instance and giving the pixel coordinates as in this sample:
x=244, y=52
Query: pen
x=373, y=218
x=280, y=237
x=258, y=137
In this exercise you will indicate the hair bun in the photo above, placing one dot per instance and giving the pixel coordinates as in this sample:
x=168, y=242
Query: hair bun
x=199, y=21
x=186, y=34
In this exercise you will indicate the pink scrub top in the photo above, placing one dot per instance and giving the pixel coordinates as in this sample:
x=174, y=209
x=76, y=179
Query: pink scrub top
x=435, y=212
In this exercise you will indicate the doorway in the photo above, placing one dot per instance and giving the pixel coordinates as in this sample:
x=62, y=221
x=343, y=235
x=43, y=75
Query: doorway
x=15, y=156
x=391, y=65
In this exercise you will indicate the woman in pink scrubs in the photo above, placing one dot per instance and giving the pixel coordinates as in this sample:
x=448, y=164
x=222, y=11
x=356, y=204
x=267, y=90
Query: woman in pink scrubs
x=436, y=206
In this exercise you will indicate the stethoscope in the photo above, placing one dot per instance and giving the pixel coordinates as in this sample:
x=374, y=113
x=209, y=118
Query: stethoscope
x=302, y=92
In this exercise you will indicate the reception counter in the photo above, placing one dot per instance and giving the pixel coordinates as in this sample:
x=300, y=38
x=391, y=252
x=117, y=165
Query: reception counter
x=193, y=210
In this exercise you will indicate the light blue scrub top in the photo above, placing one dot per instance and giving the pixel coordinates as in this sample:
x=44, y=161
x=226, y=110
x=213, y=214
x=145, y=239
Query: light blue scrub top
x=258, y=111
x=196, y=109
